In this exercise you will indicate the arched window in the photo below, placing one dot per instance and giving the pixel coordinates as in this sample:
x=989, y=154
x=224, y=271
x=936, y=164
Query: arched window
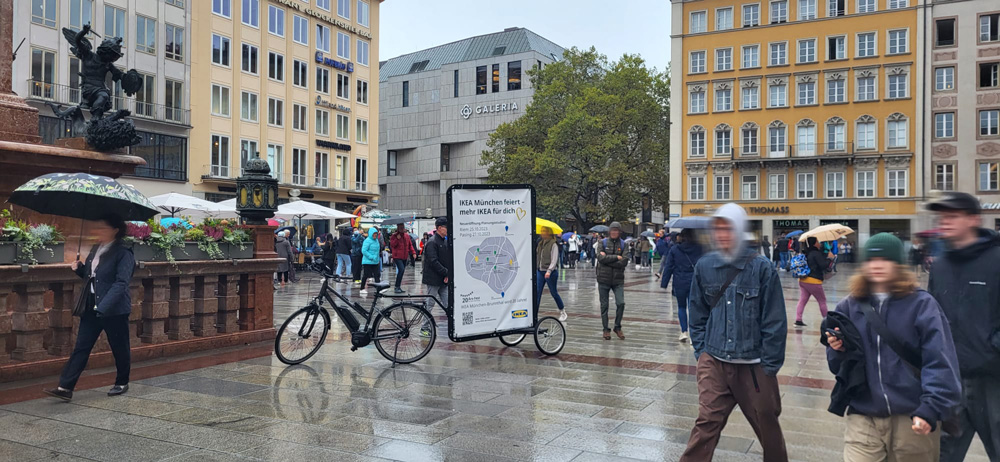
x=864, y=133
x=897, y=131
x=777, y=139
x=836, y=135
x=696, y=141
x=749, y=139
x=723, y=140
x=805, y=138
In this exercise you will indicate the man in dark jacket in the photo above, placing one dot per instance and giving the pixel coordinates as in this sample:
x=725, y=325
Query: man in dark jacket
x=344, y=263
x=782, y=249
x=437, y=262
x=611, y=264
x=357, y=241
x=680, y=262
x=402, y=250
x=966, y=282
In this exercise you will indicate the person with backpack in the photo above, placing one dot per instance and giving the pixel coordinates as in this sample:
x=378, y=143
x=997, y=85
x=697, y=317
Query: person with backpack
x=781, y=248
x=611, y=264
x=906, y=369
x=357, y=241
x=679, y=264
x=810, y=268
x=965, y=280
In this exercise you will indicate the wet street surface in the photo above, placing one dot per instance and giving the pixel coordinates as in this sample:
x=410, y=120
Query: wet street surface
x=598, y=400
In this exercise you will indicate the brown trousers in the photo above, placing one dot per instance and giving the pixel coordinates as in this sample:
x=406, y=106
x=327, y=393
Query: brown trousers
x=721, y=386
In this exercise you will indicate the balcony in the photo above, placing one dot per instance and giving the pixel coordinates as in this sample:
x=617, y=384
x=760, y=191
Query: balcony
x=783, y=151
x=64, y=94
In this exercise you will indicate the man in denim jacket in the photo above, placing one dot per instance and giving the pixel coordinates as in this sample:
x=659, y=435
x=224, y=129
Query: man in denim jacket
x=738, y=334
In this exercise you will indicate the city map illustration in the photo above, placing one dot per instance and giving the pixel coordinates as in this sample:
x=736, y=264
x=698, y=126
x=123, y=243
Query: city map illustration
x=494, y=262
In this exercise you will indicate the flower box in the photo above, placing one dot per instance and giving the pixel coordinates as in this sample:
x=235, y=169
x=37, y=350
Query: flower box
x=9, y=252
x=55, y=256
x=233, y=251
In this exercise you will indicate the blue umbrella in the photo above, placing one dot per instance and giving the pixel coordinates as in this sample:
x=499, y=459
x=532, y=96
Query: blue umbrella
x=794, y=233
x=690, y=223
x=172, y=221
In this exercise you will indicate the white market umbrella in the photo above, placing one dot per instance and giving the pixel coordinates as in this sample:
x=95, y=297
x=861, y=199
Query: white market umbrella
x=174, y=203
x=826, y=233
x=305, y=210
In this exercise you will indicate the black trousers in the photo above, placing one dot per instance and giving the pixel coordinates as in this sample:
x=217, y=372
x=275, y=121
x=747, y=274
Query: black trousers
x=371, y=271
x=356, y=267
x=117, y=329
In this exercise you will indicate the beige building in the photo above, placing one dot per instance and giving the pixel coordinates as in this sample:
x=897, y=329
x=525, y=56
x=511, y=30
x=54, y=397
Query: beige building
x=295, y=81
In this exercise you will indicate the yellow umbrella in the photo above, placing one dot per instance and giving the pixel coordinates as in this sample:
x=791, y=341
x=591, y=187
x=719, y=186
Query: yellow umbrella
x=543, y=223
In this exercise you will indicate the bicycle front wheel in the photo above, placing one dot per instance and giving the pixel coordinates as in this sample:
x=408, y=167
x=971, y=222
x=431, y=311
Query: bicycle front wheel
x=404, y=333
x=301, y=335
x=550, y=335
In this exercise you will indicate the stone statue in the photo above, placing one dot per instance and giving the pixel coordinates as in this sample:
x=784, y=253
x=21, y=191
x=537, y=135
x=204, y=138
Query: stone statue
x=103, y=132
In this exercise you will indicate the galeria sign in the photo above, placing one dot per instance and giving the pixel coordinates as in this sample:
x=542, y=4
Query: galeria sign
x=487, y=109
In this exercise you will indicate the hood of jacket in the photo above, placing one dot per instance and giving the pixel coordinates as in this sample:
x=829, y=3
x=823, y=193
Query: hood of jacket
x=987, y=239
x=737, y=218
x=280, y=239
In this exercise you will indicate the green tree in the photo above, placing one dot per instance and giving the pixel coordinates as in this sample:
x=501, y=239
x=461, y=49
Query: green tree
x=593, y=141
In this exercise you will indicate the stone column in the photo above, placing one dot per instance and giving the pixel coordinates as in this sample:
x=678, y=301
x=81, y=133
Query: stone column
x=61, y=318
x=155, y=310
x=229, y=303
x=20, y=121
x=263, y=307
x=263, y=241
x=206, y=306
x=247, y=299
x=181, y=308
x=135, y=318
x=29, y=322
x=5, y=324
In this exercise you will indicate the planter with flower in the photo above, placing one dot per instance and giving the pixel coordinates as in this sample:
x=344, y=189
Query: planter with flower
x=23, y=242
x=211, y=240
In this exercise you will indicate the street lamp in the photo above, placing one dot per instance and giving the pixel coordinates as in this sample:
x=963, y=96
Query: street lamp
x=257, y=192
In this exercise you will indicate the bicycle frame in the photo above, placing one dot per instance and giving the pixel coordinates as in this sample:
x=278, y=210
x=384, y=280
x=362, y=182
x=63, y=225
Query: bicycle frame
x=367, y=315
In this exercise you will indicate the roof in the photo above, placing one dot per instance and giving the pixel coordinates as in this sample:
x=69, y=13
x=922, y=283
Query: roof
x=507, y=42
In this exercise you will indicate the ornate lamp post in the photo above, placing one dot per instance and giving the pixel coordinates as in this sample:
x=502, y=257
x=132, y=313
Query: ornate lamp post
x=257, y=192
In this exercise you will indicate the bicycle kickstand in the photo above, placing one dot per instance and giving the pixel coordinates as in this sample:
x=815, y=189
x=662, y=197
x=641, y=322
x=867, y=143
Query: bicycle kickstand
x=395, y=353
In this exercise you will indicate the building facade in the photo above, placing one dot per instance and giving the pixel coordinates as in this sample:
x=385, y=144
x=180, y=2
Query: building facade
x=805, y=112
x=156, y=43
x=963, y=91
x=438, y=108
x=292, y=81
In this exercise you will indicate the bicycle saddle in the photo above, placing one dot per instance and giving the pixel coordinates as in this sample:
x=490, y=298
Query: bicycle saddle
x=379, y=285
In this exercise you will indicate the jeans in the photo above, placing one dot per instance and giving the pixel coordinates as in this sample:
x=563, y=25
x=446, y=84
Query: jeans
x=441, y=293
x=400, y=267
x=980, y=414
x=682, y=311
x=806, y=290
x=551, y=281
x=834, y=264
x=784, y=260
x=118, y=332
x=343, y=265
x=604, y=291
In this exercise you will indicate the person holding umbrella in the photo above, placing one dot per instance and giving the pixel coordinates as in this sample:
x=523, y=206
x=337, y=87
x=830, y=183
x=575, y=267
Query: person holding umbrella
x=402, y=251
x=547, y=254
x=812, y=285
x=679, y=263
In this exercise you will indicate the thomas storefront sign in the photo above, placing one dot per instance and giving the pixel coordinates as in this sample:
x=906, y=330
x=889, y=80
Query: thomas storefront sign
x=322, y=15
x=346, y=67
x=467, y=110
x=332, y=145
x=330, y=104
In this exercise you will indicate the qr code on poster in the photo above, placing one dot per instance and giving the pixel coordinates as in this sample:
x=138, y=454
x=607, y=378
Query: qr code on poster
x=467, y=319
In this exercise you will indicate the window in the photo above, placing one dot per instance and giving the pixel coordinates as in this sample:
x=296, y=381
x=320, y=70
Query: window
x=363, y=13
x=221, y=7
x=454, y=85
x=697, y=147
x=175, y=43
x=777, y=95
x=300, y=74
x=322, y=38
x=864, y=136
x=866, y=88
x=696, y=186
x=298, y=166
x=390, y=162
x=896, y=182
x=362, y=53
x=723, y=188
x=275, y=66
x=343, y=86
x=321, y=170
x=897, y=41
x=251, y=13
x=897, y=132
x=807, y=9
x=749, y=187
x=897, y=86
x=723, y=19
x=835, y=91
x=44, y=12
x=445, y=157
x=114, y=21
x=867, y=6
x=866, y=45
x=496, y=78
x=779, y=54
x=80, y=12
x=805, y=186
x=944, y=78
x=864, y=182
x=836, y=136
x=362, y=91
x=145, y=99
x=944, y=125
x=343, y=45
x=343, y=126
x=806, y=142
x=988, y=176
x=276, y=20
x=361, y=131
x=751, y=56
x=480, y=80
x=835, y=48
x=834, y=185
x=944, y=177
x=74, y=83
x=894, y=4
x=361, y=174
x=723, y=100
x=807, y=51
x=699, y=22
x=249, y=59
x=723, y=142
x=322, y=122
x=989, y=75
x=220, y=50
x=988, y=121
x=220, y=156
x=145, y=34
x=697, y=102
x=324, y=4
x=406, y=94
x=43, y=65
x=807, y=93
x=835, y=8
x=220, y=100
x=723, y=59
x=275, y=112
x=174, y=99
x=944, y=32
x=751, y=98
x=776, y=186
x=166, y=156
x=344, y=9
x=749, y=141
x=751, y=15
x=513, y=75
x=776, y=142
x=248, y=150
x=323, y=80
x=248, y=106
x=779, y=11
x=276, y=160
x=697, y=62
x=989, y=27
x=298, y=117
x=300, y=29
x=340, y=173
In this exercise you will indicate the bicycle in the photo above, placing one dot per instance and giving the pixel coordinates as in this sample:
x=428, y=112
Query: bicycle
x=403, y=332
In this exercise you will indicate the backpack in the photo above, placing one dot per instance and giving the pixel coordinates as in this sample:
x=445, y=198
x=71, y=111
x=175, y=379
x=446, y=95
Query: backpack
x=799, y=265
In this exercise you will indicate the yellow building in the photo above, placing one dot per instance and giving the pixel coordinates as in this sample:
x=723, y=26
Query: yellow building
x=295, y=81
x=802, y=111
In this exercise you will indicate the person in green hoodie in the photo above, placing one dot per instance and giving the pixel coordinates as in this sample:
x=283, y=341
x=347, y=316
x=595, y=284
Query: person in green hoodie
x=371, y=257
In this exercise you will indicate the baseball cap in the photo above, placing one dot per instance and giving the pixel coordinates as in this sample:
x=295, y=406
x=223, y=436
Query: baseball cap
x=441, y=222
x=956, y=201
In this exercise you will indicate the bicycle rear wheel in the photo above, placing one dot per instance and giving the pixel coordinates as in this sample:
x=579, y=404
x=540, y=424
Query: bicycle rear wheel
x=301, y=335
x=550, y=335
x=512, y=340
x=404, y=333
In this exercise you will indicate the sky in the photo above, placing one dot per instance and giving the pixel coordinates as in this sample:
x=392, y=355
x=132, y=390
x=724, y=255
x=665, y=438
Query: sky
x=614, y=28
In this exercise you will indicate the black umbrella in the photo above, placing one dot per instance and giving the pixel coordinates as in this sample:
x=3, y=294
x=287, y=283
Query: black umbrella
x=599, y=229
x=292, y=231
x=397, y=220
x=648, y=234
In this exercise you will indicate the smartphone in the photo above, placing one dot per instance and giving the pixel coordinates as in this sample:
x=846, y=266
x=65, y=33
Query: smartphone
x=836, y=333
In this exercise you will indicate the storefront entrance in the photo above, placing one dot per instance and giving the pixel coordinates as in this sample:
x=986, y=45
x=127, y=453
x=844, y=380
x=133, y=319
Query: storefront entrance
x=787, y=226
x=898, y=228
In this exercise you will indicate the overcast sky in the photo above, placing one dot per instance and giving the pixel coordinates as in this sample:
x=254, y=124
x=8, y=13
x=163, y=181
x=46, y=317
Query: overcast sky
x=614, y=28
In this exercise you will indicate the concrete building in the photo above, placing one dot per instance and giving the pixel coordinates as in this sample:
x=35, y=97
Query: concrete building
x=156, y=43
x=805, y=112
x=438, y=107
x=291, y=80
x=962, y=86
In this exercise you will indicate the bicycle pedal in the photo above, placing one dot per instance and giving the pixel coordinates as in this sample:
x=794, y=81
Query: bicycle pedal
x=354, y=348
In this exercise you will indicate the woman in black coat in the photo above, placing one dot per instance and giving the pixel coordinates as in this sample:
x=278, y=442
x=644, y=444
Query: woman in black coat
x=108, y=305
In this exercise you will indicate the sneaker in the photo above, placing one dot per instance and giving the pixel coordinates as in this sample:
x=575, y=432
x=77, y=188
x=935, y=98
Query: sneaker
x=683, y=337
x=562, y=315
x=363, y=292
x=800, y=324
x=118, y=390
x=64, y=395
x=425, y=332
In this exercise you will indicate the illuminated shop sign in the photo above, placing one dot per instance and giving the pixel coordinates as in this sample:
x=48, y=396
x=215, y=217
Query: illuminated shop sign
x=346, y=67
